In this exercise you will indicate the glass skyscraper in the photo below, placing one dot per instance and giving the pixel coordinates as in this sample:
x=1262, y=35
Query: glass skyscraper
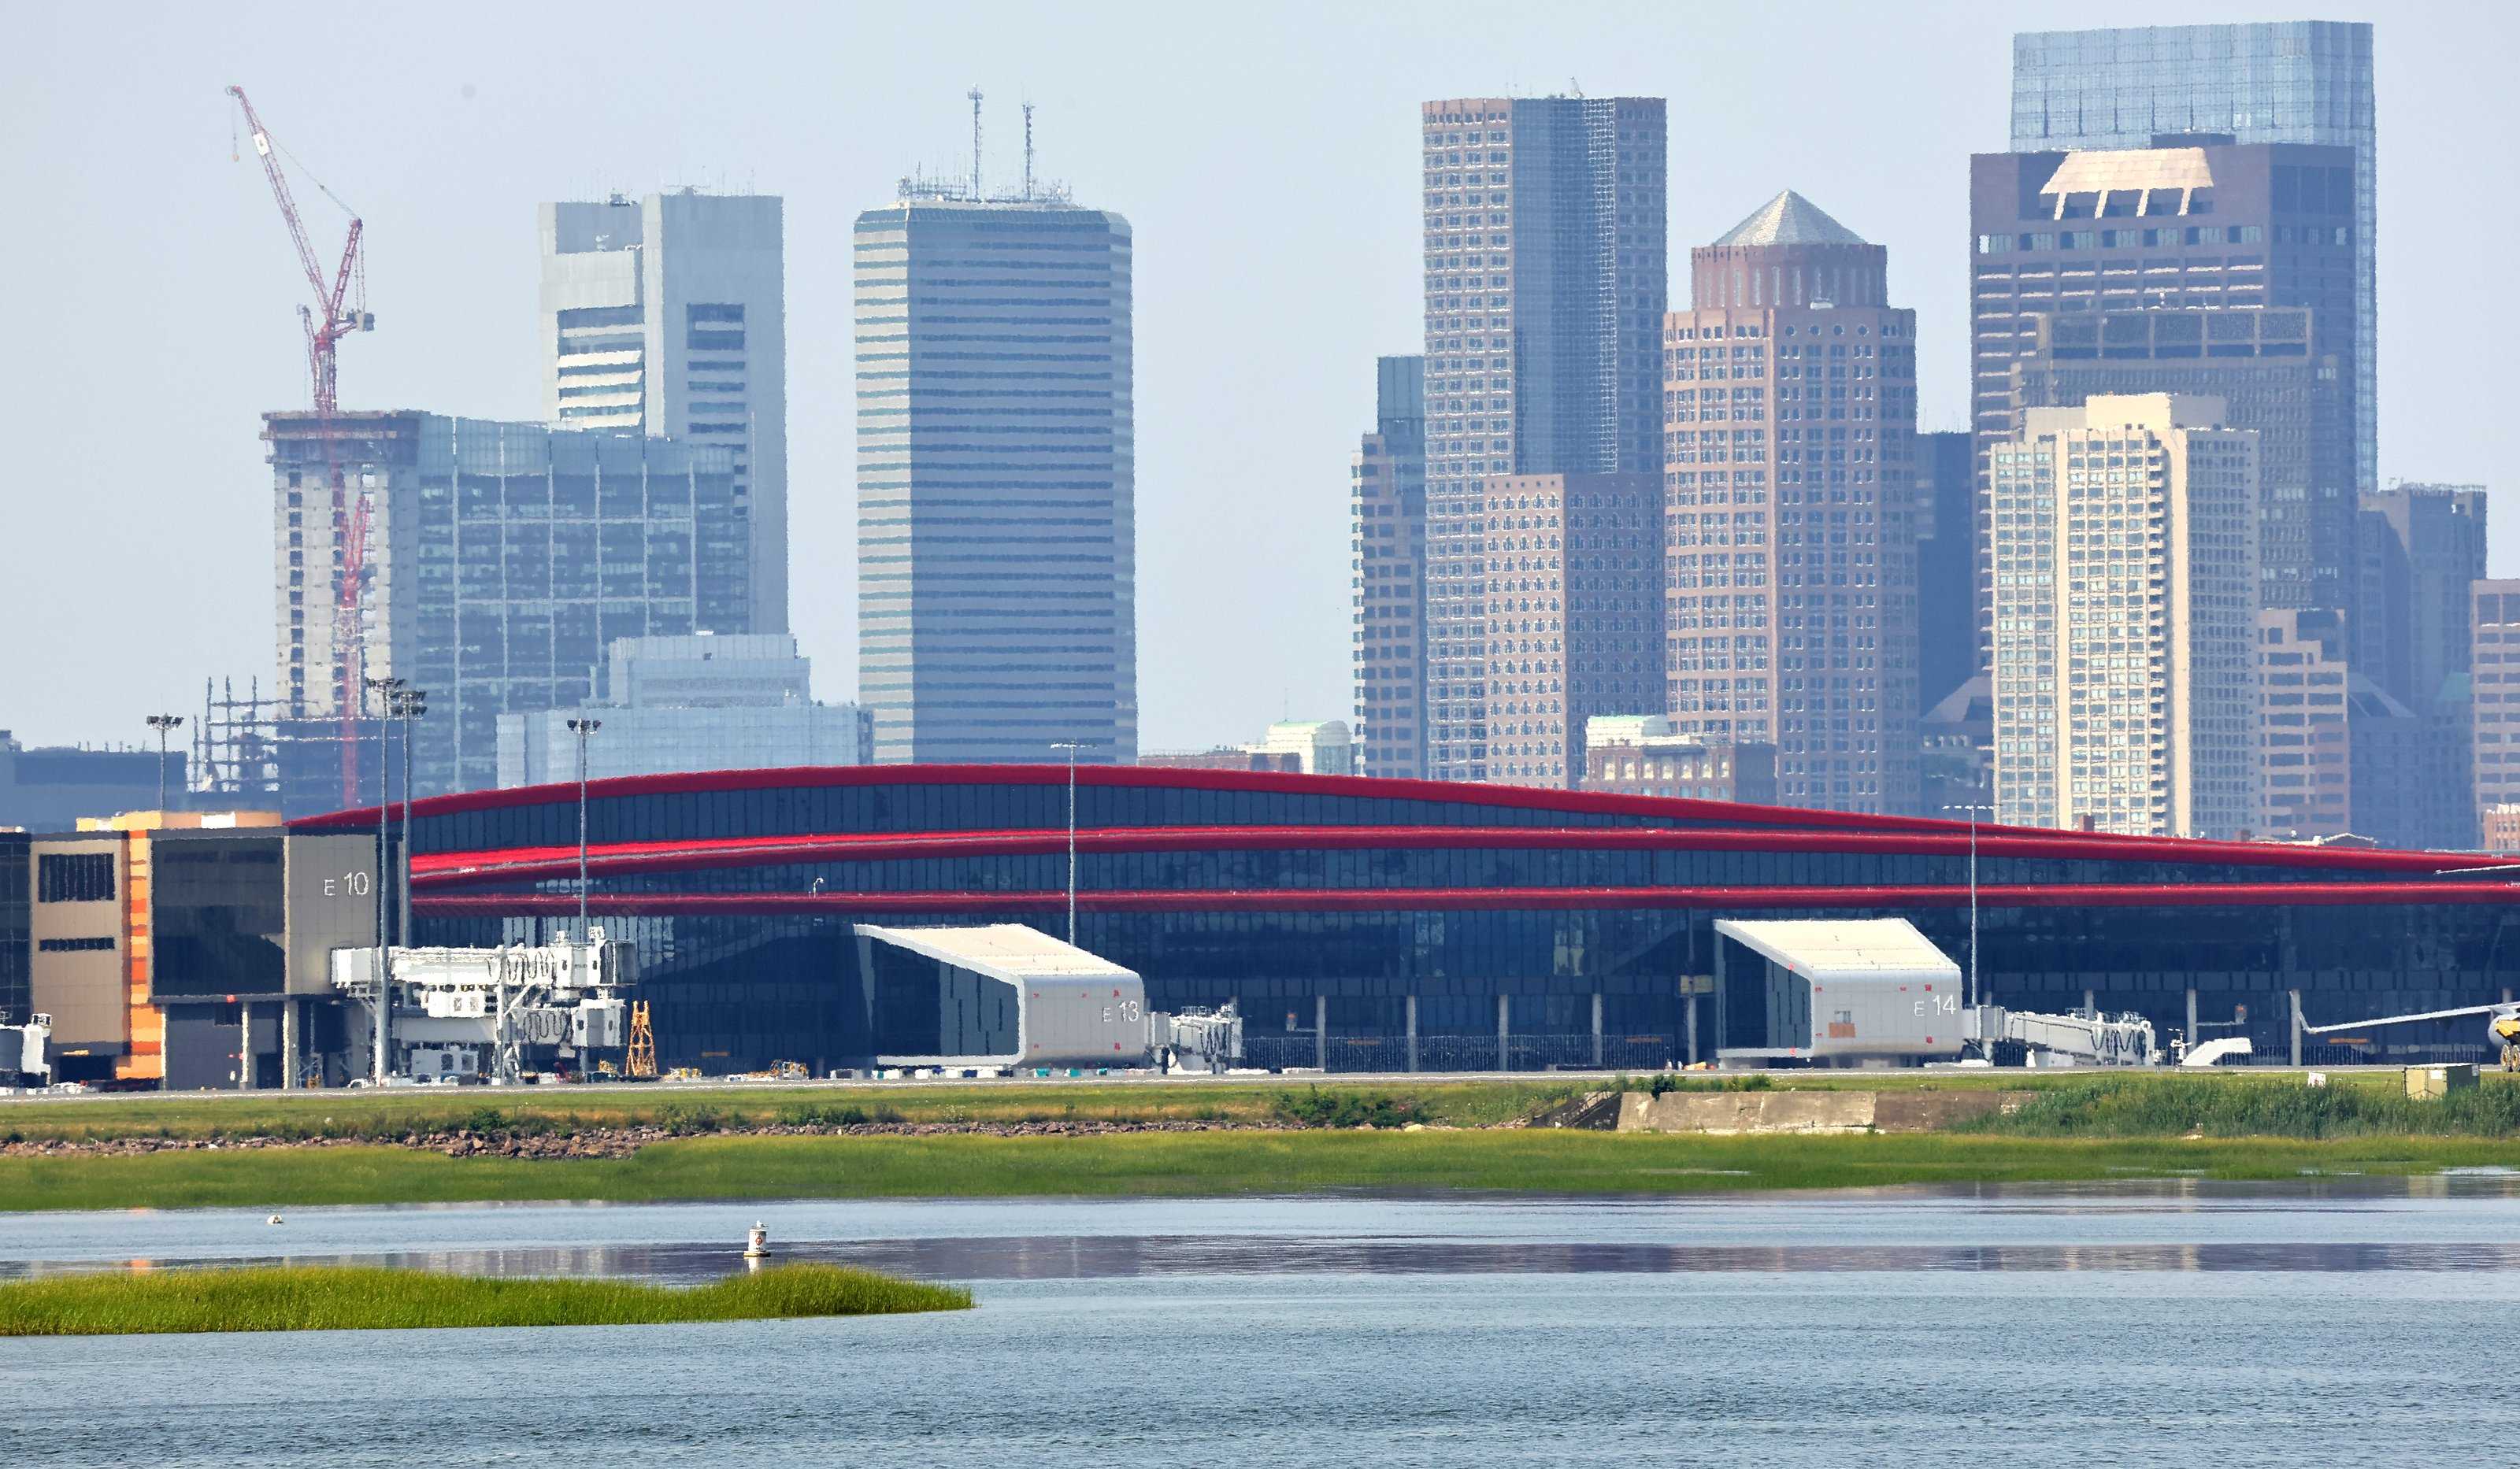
x=997, y=485
x=503, y=559
x=667, y=316
x=2288, y=81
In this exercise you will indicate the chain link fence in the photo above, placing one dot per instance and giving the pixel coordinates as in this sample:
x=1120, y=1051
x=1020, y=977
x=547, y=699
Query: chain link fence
x=1390, y=1053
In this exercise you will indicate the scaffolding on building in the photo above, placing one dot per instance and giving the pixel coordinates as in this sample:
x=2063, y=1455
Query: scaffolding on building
x=236, y=747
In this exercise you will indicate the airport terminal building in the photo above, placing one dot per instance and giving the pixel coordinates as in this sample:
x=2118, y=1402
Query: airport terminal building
x=1382, y=924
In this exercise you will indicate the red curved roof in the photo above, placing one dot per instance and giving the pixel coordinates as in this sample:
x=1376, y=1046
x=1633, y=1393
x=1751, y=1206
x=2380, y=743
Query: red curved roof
x=1774, y=822
x=1140, y=777
x=442, y=871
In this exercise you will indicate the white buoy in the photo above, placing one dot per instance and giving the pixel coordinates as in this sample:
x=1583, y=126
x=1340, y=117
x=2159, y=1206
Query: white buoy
x=756, y=1245
x=275, y=1219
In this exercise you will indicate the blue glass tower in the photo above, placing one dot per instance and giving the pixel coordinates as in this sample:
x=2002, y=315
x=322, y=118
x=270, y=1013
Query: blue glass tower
x=2289, y=81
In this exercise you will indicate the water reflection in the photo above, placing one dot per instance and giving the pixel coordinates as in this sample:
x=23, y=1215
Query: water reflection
x=1088, y=1257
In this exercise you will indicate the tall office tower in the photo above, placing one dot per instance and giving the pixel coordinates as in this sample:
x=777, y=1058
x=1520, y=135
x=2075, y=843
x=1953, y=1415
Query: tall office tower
x=2495, y=712
x=1388, y=644
x=1574, y=624
x=1545, y=293
x=2274, y=81
x=2422, y=551
x=2222, y=234
x=2126, y=680
x=1789, y=472
x=997, y=481
x=2421, y=546
x=1945, y=518
x=504, y=559
x=2305, y=722
x=667, y=317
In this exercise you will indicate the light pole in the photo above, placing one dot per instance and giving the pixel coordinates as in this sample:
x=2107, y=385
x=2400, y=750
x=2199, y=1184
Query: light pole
x=1973, y=814
x=1071, y=747
x=410, y=705
x=582, y=728
x=388, y=690
x=162, y=724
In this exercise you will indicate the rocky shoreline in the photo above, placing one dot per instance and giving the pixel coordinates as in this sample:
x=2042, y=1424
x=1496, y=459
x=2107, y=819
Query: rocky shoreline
x=610, y=1142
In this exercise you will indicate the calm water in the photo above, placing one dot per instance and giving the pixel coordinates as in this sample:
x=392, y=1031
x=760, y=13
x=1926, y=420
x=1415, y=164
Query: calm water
x=2184, y=1323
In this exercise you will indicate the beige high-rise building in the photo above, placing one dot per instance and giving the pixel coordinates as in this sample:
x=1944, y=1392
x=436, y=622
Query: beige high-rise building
x=1789, y=410
x=1545, y=290
x=2308, y=719
x=2494, y=706
x=1574, y=625
x=2126, y=618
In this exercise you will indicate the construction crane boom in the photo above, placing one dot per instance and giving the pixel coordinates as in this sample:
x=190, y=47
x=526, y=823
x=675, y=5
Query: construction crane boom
x=335, y=313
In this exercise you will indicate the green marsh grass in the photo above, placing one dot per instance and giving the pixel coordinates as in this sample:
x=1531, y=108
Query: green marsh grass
x=324, y=1298
x=1195, y=1165
x=2354, y=1105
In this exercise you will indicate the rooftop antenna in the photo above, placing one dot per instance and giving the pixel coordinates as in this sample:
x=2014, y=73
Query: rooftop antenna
x=975, y=145
x=1027, y=111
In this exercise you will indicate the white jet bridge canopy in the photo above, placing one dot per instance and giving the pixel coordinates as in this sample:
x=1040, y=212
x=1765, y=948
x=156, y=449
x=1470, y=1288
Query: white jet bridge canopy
x=1835, y=992
x=1002, y=951
x=1844, y=948
x=999, y=995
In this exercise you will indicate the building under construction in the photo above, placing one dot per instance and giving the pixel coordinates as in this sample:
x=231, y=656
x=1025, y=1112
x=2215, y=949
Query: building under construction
x=499, y=560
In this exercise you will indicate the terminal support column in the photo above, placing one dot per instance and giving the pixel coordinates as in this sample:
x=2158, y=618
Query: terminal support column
x=288, y=1044
x=1322, y=1032
x=1408, y=1008
x=2294, y=996
x=1505, y=1033
x=2191, y=1017
x=1597, y=1030
x=1692, y=1030
x=245, y=1046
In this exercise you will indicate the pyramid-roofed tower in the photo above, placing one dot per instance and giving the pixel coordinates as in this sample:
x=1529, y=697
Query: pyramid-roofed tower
x=1790, y=219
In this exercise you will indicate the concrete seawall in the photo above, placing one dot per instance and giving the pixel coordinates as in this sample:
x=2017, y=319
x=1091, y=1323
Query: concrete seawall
x=1732, y=1112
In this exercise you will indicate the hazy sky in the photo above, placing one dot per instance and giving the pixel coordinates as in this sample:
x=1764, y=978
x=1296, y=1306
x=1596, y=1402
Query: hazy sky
x=1265, y=155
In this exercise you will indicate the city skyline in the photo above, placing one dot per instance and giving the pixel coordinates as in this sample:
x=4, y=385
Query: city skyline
x=1240, y=453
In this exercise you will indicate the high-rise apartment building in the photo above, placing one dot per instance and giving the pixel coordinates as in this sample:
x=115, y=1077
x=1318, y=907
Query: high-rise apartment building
x=997, y=481
x=667, y=317
x=2214, y=268
x=2126, y=618
x=2495, y=712
x=503, y=559
x=2306, y=724
x=2278, y=81
x=1544, y=291
x=1789, y=477
x=1574, y=624
x=1387, y=643
x=2260, y=363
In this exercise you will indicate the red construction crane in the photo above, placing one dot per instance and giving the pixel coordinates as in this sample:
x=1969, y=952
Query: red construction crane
x=340, y=307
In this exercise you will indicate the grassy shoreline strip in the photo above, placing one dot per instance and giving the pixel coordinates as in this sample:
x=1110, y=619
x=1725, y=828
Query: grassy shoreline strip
x=2069, y=1103
x=390, y=1114
x=1197, y=1165
x=336, y=1298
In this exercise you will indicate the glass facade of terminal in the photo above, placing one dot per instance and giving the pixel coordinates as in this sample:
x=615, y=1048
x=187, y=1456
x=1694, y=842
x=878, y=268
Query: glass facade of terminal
x=1363, y=923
